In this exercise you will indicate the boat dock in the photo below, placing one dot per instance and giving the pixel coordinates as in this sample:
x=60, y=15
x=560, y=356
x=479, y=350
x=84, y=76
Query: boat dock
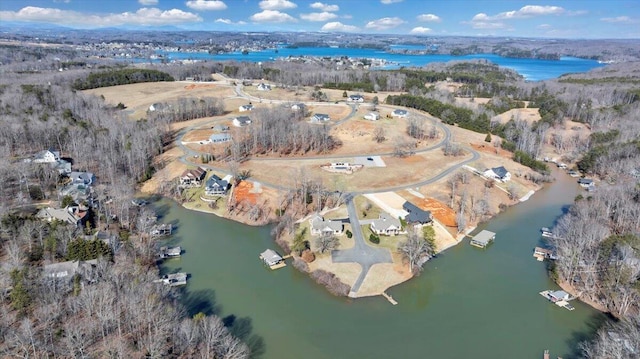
x=389, y=298
x=272, y=259
x=159, y=230
x=546, y=354
x=541, y=254
x=482, y=239
x=559, y=298
x=173, y=279
x=170, y=252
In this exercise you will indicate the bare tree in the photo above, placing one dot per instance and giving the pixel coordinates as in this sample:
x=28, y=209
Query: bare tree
x=416, y=251
x=326, y=243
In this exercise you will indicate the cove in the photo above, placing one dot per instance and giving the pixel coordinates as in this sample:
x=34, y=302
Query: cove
x=466, y=303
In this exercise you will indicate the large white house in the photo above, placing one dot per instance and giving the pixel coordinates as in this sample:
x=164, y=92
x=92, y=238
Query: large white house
x=356, y=98
x=498, y=173
x=241, y=121
x=47, y=156
x=386, y=225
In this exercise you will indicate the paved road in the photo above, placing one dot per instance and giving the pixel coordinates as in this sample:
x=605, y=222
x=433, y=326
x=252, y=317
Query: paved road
x=361, y=252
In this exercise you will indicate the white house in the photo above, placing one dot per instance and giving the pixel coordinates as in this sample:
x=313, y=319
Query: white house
x=241, y=121
x=356, y=98
x=320, y=226
x=47, y=156
x=264, y=87
x=245, y=108
x=68, y=269
x=399, y=113
x=220, y=137
x=320, y=117
x=498, y=173
x=372, y=116
x=297, y=106
x=386, y=225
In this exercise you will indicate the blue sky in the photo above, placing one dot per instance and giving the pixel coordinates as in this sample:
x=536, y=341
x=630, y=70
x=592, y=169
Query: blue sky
x=554, y=19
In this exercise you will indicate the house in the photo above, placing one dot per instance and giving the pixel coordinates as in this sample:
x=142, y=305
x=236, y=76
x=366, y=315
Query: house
x=241, y=121
x=320, y=117
x=416, y=214
x=158, y=107
x=372, y=116
x=245, y=108
x=298, y=107
x=386, y=225
x=47, y=156
x=320, y=226
x=400, y=113
x=192, y=177
x=498, y=173
x=70, y=215
x=220, y=138
x=62, y=166
x=356, y=98
x=586, y=183
x=82, y=178
x=264, y=87
x=66, y=270
x=216, y=186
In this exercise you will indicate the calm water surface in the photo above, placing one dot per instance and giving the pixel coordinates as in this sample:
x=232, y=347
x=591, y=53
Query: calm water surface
x=467, y=303
x=531, y=69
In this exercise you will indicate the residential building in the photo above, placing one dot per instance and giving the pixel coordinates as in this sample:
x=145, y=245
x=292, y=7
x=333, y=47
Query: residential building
x=220, y=137
x=71, y=215
x=586, y=183
x=498, y=173
x=192, y=177
x=386, y=225
x=320, y=226
x=245, y=108
x=82, y=178
x=216, y=186
x=264, y=87
x=47, y=156
x=320, y=117
x=298, y=107
x=372, y=116
x=399, y=113
x=356, y=98
x=241, y=121
x=66, y=270
x=416, y=214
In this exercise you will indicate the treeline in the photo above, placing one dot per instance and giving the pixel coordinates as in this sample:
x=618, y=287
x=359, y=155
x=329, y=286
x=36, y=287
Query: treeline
x=185, y=109
x=277, y=131
x=120, y=77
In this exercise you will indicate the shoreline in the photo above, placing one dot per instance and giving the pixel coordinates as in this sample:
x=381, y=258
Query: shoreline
x=569, y=289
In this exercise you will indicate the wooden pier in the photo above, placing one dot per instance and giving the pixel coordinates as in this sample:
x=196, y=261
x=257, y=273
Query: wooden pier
x=389, y=298
x=173, y=280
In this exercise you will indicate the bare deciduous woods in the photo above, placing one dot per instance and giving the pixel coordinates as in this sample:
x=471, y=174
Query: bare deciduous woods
x=277, y=131
x=185, y=109
x=416, y=250
x=620, y=340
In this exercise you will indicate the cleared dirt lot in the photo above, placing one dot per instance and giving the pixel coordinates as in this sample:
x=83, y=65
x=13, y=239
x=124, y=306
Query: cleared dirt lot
x=138, y=97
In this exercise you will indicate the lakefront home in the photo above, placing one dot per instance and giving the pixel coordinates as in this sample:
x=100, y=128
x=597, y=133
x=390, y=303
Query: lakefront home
x=67, y=270
x=386, y=225
x=498, y=173
x=320, y=226
x=417, y=215
x=216, y=186
x=245, y=108
x=241, y=121
x=74, y=216
x=192, y=177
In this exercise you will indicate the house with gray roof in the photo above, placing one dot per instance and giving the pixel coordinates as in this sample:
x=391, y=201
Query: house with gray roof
x=320, y=226
x=47, y=156
x=498, y=173
x=399, y=113
x=70, y=215
x=386, y=225
x=216, y=186
x=241, y=121
x=82, y=178
x=320, y=117
x=416, y=214
x=66, y=270
x=220, y=137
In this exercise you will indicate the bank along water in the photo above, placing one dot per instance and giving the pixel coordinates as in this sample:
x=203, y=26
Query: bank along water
x=467, y=302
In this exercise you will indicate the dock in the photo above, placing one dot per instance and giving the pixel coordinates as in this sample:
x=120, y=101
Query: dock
x=160, y=230
x=389, y=298
x=546, y=354
x=541, y=254
x=272, y=259
x=482, y=239
x=559, y=298
x=173, y=279
x=170, y=252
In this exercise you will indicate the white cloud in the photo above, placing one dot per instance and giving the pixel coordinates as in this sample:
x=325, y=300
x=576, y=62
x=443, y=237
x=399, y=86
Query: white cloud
x=429, y=18
x=229, y=22
x=206, y=5
x=524, y=12
x=318, y=16
x=619, y=20
x=324, y=7
x=147, y=2
x=385, y=23
x=337, y=26
x=487, y=25
x=387, y=2
x=420, y=30
x=277, y=5
x=144, y=16
x=272, y=16
x=544, y=26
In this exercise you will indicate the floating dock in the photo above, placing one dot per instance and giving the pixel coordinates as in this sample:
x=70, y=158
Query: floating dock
x=160, y=230
x=541, y=254
x=559, y=298
x=170, y=252
x=389, y=298
x=482, y=239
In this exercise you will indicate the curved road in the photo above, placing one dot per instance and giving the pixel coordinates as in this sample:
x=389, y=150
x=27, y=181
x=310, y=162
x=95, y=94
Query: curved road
x=361, y=252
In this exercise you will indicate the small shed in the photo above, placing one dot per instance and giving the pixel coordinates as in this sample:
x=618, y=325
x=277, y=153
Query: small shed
x=559, y=295
x=482, y=239
x=270, y=257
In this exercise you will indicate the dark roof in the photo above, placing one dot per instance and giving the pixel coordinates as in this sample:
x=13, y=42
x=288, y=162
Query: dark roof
x=215, y=181
x=585, y=181
x=416, y=214
x=500, y=171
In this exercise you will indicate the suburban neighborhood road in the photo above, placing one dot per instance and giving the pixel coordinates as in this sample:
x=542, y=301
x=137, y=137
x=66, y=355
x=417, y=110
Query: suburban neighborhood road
x=361, y=252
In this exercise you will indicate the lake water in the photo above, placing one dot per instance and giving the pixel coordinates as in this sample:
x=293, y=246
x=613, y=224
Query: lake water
x=531, y=69
x=467, y=303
